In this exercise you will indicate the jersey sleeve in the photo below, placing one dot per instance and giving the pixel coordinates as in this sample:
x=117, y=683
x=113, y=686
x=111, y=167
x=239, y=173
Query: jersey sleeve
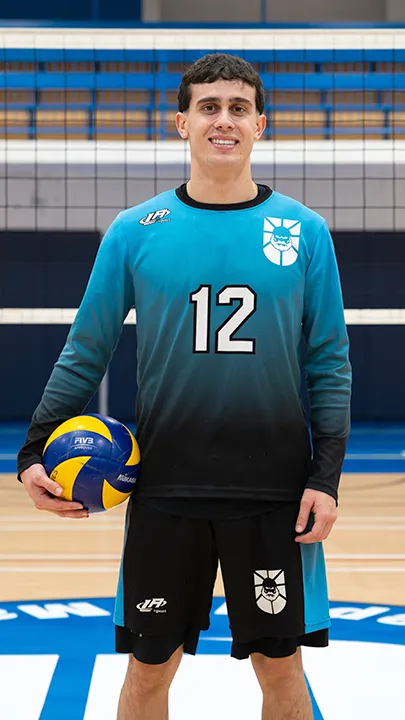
x=327, y=366
x=89, y=347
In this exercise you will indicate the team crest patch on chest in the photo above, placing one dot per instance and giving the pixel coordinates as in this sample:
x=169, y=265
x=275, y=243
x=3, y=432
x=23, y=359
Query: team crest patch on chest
x=281, y=240
x=270, y=590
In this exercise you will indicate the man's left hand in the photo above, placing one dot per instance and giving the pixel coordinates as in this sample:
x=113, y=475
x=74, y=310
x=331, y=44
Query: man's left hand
x=324, y=509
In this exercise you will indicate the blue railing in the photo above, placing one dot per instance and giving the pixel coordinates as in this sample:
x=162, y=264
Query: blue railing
x=159, y=71
x=170, y=81
x=300, y=55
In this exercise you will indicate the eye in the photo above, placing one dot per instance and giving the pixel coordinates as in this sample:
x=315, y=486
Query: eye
x=239, y=109
x=209, y=108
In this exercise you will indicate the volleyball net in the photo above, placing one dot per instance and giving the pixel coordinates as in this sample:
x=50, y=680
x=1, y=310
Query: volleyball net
x=87, y=121
x=87, y=129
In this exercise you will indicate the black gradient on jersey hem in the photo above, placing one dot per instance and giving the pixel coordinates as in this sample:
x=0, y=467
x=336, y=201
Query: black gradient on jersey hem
x=264, y=192
x=208, y=492
x=212, y=508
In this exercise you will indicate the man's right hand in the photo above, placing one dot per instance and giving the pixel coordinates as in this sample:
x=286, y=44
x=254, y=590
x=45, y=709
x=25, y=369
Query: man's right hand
x=42, y=491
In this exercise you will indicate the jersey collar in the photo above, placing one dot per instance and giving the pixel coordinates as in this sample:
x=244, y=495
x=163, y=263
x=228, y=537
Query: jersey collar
x=263, y=194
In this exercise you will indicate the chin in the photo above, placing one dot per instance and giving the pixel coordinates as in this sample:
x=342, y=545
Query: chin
x=225, y=160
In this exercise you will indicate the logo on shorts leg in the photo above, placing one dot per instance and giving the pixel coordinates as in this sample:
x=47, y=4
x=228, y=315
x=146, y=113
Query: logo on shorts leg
x=152, y=605
x=270, y=590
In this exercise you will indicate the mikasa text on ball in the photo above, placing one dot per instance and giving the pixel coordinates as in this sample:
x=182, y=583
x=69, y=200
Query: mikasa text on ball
x=95, y=459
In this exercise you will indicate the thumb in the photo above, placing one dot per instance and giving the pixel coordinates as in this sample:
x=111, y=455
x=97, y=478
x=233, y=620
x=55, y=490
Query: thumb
x=44, y=481
x=303, y=517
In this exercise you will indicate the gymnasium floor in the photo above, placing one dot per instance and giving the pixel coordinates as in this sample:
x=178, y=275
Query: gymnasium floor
x=58, y=577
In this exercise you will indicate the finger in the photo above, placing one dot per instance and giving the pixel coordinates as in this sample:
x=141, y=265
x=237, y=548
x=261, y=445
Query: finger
x=75, y=514
x=50, y=485
x=306, y=539
x=303, y=516
x=326, y=531
x=327, y=522
x=45, y=502
x=315, y=535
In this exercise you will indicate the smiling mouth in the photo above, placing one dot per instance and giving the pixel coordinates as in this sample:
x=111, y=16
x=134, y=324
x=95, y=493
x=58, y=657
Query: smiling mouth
x=227, y=144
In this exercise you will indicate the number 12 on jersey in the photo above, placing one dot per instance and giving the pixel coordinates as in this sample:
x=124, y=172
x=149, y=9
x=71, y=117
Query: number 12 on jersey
x=225, y=342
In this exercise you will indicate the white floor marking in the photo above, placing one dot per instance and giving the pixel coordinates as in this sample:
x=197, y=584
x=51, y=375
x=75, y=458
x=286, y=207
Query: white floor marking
x=53, y=570
x=108, y=676
x=360, y=569
x=82, y=526
x=371, y=518
x=350, y=680
x=94, y=569
x=391, y=527
x=357, y=680
x=208, y=686
x=215, y=687
x=39, y=557
x=71, y=556
x=25, y=680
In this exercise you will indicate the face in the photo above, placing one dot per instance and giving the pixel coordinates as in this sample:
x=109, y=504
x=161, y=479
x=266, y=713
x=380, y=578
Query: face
x=270, y=589
x=221, y=123
x=281, y=239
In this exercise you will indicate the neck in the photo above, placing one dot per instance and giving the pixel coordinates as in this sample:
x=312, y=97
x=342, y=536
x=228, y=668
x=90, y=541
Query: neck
x=227, y=189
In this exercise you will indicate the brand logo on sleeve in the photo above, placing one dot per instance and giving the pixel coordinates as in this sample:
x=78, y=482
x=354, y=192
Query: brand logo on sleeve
x=281, y=239
x=156, y=216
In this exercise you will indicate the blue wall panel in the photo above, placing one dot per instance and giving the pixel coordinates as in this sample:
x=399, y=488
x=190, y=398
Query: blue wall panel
x=372, y=269
x=74, y=10
x=377, y=355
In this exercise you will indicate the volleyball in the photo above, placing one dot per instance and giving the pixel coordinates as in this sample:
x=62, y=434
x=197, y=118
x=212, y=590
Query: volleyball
x=95, y=459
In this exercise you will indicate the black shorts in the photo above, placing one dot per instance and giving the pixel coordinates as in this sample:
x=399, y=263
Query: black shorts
x=275, y=588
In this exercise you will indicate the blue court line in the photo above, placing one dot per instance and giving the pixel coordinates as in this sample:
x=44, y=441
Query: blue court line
x=374, y=456
x=317, y=713
x=69, y=688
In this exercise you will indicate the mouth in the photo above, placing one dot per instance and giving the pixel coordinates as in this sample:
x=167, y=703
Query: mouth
x=224, y=145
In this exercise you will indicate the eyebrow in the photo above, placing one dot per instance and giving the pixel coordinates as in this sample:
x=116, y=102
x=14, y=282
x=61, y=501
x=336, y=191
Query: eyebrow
x=244, y=100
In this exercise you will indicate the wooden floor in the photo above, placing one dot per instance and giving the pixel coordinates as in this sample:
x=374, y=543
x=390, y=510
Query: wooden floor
x=45, y=557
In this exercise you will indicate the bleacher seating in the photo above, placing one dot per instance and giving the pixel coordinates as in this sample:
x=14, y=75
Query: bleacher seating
x=132, y=95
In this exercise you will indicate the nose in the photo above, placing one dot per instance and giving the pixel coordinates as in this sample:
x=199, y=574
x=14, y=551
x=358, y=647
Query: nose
x=224, y=121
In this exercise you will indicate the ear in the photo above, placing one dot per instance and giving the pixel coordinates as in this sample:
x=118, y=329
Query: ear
x=260, y=126
x=181, y=125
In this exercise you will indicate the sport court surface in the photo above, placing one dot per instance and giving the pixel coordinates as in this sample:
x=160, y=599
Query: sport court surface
x=58, y=579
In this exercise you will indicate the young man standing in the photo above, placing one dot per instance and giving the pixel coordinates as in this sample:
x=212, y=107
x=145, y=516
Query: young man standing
x=227, y=278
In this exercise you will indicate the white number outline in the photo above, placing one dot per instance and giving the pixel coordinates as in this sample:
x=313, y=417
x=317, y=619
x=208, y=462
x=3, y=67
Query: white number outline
x=224, y=338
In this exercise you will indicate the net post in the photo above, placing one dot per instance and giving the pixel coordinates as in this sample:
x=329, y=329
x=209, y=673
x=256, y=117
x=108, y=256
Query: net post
x=103, y=396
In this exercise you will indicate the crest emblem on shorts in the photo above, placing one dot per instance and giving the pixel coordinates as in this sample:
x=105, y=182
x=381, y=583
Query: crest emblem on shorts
x=281, y=239
x=270, y=590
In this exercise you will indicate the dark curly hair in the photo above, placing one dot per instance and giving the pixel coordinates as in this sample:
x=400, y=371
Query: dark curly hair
x=219, y=66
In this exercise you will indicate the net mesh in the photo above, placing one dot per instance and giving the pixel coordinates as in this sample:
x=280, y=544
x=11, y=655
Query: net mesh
x=87, y=121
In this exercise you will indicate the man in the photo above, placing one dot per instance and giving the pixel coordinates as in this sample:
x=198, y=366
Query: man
x=227, y=278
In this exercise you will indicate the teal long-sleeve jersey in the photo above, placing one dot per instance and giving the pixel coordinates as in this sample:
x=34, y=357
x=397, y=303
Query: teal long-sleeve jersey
x=225, y=297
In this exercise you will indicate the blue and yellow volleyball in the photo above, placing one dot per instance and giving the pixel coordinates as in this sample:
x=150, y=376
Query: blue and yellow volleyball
x=95, y=459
